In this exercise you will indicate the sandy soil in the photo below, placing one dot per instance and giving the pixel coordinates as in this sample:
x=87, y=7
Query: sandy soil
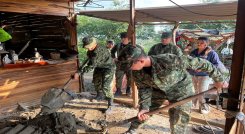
x=90, y=115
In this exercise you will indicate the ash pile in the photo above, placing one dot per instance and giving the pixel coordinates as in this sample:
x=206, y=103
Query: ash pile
x=58, y=122
x=48, y=121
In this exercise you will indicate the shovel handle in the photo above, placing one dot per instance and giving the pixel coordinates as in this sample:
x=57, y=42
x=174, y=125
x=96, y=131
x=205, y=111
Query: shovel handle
x=67, y=83
x=162, y=108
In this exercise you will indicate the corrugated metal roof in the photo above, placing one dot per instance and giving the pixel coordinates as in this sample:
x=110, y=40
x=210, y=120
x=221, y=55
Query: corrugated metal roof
x=214, y=11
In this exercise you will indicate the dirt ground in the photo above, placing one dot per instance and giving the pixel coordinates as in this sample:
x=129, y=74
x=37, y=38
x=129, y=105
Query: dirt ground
x=90, y=115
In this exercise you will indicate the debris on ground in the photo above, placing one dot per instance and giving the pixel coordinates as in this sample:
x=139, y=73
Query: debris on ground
x=205, y=129
x=22, y=107
x=81, y=115
x=58, y=122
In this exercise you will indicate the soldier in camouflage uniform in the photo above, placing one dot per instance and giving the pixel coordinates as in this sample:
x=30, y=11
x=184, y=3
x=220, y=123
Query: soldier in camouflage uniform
x=100, y=60
x=119, y=73
x=163, y=72
x=165, y=46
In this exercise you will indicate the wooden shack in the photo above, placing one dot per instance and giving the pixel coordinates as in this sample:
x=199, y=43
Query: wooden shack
x=48, y=27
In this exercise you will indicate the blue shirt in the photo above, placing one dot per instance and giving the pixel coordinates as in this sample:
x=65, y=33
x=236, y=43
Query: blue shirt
x=212, y=57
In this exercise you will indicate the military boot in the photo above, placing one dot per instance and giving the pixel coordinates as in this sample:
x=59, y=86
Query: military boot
x=131, y=130
x=110, y=102
x=118, y=92
x=99, y=96
x=110, y=105
x=128, y=91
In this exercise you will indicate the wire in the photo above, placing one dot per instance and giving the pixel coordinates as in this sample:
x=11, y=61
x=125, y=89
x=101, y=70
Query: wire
x=200, y=13
x=208, y=124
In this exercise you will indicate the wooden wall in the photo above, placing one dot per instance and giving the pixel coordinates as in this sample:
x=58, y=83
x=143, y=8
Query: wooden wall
x=48, y=7
x=51, y=26
x=27, y=85
x=47, y=33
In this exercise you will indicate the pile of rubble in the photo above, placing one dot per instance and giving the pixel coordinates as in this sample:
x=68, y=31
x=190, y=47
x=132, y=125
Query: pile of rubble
x=58, y=122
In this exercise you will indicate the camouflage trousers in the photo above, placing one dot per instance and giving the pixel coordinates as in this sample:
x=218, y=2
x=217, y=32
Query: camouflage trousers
x=102, y=79
x=119, y=78
x=179, y=116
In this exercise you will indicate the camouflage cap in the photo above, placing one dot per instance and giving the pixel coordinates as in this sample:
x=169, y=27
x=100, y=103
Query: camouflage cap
x=88, y=41
x=128, y=55
x=166, y=35
x=110, y=41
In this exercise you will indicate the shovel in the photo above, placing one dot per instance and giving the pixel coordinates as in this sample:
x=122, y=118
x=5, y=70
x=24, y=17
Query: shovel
x=114, y=124
x=55, y=98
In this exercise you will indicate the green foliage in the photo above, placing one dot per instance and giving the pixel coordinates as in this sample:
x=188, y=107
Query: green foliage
x=146, y=36
x=147, y=44
x=119, y=4
x=105, y=29
x=145, y=32
x=99, y=28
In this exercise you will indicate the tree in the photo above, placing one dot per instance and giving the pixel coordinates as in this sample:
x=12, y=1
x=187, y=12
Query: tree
x=99, y=28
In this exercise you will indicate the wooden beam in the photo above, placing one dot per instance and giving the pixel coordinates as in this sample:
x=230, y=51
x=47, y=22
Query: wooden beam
x=176, y=27
x=133, y=40
x=35, y=7
x=237, y=64
x=197, y=120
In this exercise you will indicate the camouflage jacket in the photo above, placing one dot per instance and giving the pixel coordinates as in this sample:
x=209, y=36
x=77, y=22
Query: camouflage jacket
x=117, y=49
x=163, y=49
x=168, y=73
x=99, y=58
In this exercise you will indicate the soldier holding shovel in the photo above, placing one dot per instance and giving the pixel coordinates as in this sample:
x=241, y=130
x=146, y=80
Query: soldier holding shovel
x=100, y=60
x=167, y=74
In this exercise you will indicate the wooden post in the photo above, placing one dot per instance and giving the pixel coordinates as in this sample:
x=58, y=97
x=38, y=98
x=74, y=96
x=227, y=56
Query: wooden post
x=237, y=65
x=176, y=26
x=133, y=40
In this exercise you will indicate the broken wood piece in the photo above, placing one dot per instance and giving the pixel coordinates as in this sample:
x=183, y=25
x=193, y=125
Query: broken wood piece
x=22, y=107
x=4, y=130
x=16, y=129
x=28, y=130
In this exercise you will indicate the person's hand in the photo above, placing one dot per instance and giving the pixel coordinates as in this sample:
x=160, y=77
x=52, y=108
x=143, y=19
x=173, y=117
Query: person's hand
x=76, y=76
x=142, y=116
x=220, y=85
x=225, y=84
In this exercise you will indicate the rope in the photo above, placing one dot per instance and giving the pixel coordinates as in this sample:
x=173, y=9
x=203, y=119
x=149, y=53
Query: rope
x=200, y=13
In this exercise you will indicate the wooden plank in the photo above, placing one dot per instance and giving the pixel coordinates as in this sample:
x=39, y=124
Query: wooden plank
x=4, y=130
x=28, y=130
x=27, y=85
x=198, y=120
x=16, y=129
x=35, y=7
